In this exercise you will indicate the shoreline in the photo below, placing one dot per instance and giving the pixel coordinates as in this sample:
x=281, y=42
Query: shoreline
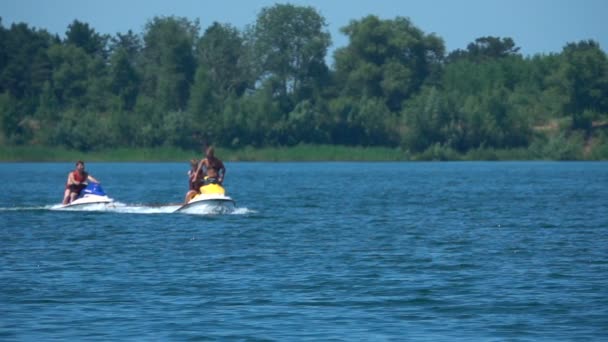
x=298, y=153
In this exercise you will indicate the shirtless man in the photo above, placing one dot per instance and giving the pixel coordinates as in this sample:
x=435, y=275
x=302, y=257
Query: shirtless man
x=212, y=167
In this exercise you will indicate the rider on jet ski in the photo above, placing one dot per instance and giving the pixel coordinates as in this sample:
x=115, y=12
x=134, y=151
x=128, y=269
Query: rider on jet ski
x=77, y=180
x=212, y=167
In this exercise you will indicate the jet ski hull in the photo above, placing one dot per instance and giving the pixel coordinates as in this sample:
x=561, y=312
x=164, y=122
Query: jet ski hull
x=208, y=204
x=88, y=200
x=92, y=195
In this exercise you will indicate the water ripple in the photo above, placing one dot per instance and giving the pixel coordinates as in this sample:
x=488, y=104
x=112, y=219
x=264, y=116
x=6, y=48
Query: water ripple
x=431, y=251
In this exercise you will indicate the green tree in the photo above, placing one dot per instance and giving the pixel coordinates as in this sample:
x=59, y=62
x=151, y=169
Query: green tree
x=124, y=77
x=4, y=49
x=306, y=124
x=168, y=62
x=71, y=72
x=540, y=93
x=222, y=51
x=479, y=105
x=486, y=48
x=26, y=65
x=124, y=80
x=222, y=73
x=10, y=130
x=424, y=120
x=364, y=122
x=388, y=59
x=204, y=107
x=24, y=69
x=178, y=130
x=586, y=82
x=83, y=130
x=83, y=36
x=289, y=44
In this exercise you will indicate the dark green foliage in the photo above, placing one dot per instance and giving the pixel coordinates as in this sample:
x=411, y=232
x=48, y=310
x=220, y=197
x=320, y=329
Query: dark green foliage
x=288, y=46
x=387, y=59
x=24, y=62
x=222, y=52
x=124, y=77
x=586, y=81
x=82, y=36
x=481, y=107
x=365, y=122
x=559, y=147
x=484, y=49
x=222, y=75
x=168, y=63
x=391, y=86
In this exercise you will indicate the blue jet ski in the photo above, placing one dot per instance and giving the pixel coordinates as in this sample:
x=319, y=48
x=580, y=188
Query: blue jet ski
x=92, y=194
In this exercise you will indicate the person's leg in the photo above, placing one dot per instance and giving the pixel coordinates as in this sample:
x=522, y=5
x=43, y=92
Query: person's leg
x=73, y=196
x=190, y=195
x=66, y=196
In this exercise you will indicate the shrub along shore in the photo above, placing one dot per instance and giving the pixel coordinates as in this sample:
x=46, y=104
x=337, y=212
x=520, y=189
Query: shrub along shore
x=553, y=150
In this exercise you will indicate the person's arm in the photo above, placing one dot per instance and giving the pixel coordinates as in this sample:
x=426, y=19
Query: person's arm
x=191, y=176
x=221, y=172
x=70, y=180
x=199, y=168
x=92, y=179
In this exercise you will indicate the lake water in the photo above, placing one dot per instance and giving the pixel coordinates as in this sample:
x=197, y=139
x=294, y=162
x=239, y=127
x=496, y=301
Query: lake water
x=315, y=251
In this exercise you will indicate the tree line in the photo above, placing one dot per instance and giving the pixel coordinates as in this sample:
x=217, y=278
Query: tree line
x=269, y=85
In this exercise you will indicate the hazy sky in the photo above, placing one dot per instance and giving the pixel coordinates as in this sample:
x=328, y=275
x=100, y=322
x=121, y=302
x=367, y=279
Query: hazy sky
x=536, y=26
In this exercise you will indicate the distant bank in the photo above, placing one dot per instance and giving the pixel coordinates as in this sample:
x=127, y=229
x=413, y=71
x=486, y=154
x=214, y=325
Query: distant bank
x=298, y=153
x=171, y=154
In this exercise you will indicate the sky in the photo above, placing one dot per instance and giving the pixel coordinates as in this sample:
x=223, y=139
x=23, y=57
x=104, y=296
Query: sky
x=536, y=26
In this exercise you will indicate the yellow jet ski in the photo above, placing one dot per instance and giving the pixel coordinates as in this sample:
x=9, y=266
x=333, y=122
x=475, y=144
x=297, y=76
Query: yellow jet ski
x=210, y=199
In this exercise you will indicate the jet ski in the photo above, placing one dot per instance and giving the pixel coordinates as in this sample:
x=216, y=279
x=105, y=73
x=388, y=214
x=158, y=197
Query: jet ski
x=212, y=199
x=92, y=195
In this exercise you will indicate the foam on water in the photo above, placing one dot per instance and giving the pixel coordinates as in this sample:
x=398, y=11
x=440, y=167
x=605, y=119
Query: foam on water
x=46, y=207
x=243, y=211
x=118, y=207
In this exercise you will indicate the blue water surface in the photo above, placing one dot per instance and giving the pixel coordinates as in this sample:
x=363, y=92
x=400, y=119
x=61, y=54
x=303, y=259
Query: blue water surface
x=315, y=251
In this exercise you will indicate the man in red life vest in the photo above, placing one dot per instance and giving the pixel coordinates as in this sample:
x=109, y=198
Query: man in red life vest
x=77, y=180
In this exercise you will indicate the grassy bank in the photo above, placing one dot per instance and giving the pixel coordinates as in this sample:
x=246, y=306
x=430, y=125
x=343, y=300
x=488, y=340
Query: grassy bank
x=164, y=154
x=56, y=154
x=546, y=151
x=313, y=153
